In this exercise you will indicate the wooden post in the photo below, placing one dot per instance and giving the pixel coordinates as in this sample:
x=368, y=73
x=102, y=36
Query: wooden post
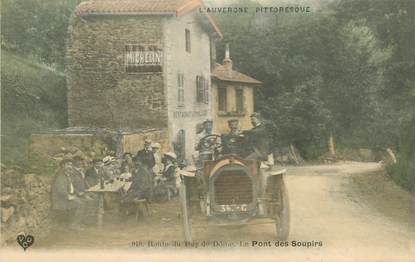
x=392, y=155
x=332, y=145
x=100, y=210
x=294, y=154
x=185, y=212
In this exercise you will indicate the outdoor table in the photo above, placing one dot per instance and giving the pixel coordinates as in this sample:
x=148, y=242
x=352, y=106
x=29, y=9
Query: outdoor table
x=113, y=187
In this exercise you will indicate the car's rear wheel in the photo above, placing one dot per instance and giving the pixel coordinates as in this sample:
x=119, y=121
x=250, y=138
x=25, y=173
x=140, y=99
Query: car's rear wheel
x=282, y=223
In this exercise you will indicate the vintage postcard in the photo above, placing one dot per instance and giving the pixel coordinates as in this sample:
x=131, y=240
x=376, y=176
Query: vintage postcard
x=154, y=130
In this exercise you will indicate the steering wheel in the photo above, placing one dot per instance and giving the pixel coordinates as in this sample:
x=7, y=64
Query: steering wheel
x=210, y=142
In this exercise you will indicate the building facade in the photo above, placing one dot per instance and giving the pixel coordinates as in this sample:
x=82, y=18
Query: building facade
x=141, y=64
x=233, y=96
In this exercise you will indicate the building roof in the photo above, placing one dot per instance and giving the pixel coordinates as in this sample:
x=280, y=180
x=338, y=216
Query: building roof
x=134, y=7
x=223, y=73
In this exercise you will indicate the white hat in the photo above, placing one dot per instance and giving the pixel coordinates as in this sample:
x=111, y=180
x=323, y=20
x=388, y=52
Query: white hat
x=107, y=159
x=156, y=145
x=171, y=154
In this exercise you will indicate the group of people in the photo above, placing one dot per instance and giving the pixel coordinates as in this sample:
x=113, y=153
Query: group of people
x=249, y=144
x=151, y=175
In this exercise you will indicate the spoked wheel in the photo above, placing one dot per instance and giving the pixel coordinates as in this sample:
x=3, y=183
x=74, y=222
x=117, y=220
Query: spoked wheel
x=186, y=219
x=282, y=223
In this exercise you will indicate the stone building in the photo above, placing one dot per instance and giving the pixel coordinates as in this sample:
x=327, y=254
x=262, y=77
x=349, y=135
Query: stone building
x=141, y=64
x=233, y=96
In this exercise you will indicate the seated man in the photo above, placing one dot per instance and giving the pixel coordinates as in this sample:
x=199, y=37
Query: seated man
x=203, y=146
x=92, y=174
x=233, y=142
x=62, y=191
x=67, y=204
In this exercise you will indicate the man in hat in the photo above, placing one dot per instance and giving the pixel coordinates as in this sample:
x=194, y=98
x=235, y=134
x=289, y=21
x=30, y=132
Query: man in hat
x=93, y=173
x=146, y=156
x=78, y=175
x=233, y=141
x=206, y=130
x=258, y=139
x=62, y=191
x=205, y=143
x=65, y=202
x=108, y=171
x=127, y=165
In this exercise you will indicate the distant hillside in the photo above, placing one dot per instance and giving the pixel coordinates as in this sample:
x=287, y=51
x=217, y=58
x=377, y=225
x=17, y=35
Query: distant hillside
x=33, y=98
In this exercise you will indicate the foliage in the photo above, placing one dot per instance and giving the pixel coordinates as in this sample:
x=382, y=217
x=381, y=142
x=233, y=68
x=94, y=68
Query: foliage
x=404, y=171
x=329, y=72
x=33, y=98
x=37, y=28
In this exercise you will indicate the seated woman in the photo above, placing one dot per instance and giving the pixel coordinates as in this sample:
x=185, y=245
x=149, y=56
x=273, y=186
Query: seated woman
x=141, y=183
x=167, y=185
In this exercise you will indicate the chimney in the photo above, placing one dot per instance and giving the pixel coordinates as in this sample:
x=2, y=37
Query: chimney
x=227, y=62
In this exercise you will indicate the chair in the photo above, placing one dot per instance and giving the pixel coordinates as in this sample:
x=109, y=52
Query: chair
x=141, y=208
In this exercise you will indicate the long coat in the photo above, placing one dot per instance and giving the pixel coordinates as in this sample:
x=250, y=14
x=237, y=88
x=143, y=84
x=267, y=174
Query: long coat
x=91, y=177
x=146, y=157
x=170, y=174
x=141, y=184
x=62, y=190
x=78, y=181
x=259, y=141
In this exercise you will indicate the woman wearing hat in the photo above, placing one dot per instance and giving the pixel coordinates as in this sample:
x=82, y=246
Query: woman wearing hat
x=169, y=171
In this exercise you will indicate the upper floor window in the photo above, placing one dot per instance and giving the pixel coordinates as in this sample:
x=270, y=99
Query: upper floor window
x=222, y=98
x=180, y=90
x=188, y=44
x=202, y=90
x=239, y=102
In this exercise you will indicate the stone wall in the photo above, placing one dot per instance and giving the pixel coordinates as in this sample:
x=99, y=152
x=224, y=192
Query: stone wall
x=132, y=142
x=47, y=145
x=100, y=92
x=24, y=206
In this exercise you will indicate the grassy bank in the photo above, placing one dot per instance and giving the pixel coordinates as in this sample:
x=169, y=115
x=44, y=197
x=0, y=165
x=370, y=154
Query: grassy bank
x=33, y=98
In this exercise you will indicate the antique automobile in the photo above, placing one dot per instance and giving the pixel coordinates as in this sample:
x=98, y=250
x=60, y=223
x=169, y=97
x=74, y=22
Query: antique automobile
x=229, y=190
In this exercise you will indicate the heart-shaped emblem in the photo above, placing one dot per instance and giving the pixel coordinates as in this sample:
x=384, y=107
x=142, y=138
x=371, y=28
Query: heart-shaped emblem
x=25, y=241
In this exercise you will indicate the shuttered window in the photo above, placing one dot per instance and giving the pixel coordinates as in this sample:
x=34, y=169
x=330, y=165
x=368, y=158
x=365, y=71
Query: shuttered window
x=239, y=102
x=188, y=43
x=202, y=90
x=222, y=97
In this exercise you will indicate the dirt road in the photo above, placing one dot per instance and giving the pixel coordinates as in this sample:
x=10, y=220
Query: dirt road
x=348, y=211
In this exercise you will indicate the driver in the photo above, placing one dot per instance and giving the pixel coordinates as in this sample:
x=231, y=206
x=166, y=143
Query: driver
x=233, y=141
x=205, y=143
x=207, y=127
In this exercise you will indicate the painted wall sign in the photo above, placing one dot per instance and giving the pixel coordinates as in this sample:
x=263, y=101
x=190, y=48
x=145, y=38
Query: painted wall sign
x=187, y=114
x=143, y=58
